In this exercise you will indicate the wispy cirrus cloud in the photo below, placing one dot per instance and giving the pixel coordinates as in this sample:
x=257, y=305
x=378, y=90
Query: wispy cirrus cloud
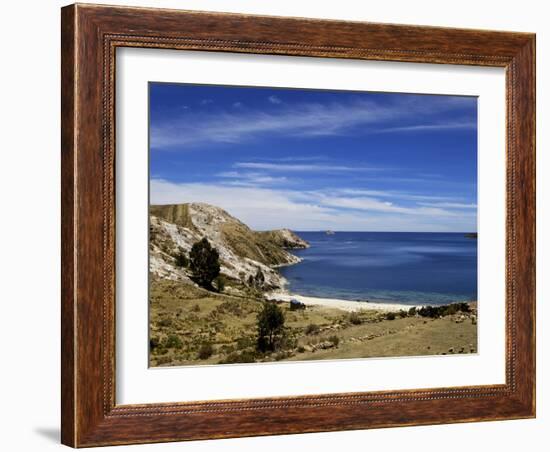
x=294, y=167
x=251, y=179
x=371, y=204
x=438, y=127
x=297, y=158
x=449, y=205
x=307, y=167
x=274, y=100
x=306, y=119
x=395, y=194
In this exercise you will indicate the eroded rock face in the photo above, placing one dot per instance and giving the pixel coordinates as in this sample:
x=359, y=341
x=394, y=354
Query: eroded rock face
x=243, y=252
x=285, y=238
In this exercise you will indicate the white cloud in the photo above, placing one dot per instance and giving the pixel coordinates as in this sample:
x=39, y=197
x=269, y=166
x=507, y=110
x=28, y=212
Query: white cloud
x=299, y=158
x=375, y=205
x=301, y=167
x=396, y=195
x=449, y=205
x=259, y=208
x=303, y=119
x=465, y=125
x=251, y=178
x=269, y=208
x=274, y=100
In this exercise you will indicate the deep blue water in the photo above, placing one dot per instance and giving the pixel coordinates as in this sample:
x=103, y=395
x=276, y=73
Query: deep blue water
x=428, y=268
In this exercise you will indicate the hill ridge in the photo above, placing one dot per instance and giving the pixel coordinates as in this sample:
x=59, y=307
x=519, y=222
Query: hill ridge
x=243, y=252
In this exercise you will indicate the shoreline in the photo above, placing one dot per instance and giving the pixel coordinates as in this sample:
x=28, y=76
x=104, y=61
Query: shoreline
x=287, y=264
x=344, y=305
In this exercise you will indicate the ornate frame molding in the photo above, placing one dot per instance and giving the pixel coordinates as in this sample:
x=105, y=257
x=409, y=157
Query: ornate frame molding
x=90, y=37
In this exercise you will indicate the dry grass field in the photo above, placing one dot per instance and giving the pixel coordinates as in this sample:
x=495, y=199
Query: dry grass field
x=192, y=326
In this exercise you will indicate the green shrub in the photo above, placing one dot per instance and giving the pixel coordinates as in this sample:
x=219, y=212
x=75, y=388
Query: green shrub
x=354, y=318
x=441, y=311
x=257, y=281
x=196, y=308
x=429, y=311
x=270, y=325
x=219, y=282
x=154, y=342
x=412, y=311
x=181, y=259
x=244, y=342
x=165, y=322
x=245, y=356
x=206, y=350
x=390, y=316
x=301, y=349
x=449, y=310
x=282, y=355
x=173, y=341
x=225, y=349
x=288, y=341
x=335, y=340
x=312, y=328
x=403, y=314
x=296, y=305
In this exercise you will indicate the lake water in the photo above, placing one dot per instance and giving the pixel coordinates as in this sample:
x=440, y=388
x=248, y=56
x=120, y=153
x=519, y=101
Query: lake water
x=427, y=268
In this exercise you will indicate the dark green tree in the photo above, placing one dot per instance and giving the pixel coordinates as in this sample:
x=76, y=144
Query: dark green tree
x=204, y=262
x=271, y=321
x=257, y=281
x=219, y=282
x=181, y=258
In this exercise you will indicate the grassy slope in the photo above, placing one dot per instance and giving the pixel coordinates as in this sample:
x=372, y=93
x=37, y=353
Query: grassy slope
x=184, y=318
x=259, y=246
x=253, y=245
x=283, y=238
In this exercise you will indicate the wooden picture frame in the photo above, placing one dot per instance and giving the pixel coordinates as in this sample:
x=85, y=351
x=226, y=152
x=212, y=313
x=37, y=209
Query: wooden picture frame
x=90, y=36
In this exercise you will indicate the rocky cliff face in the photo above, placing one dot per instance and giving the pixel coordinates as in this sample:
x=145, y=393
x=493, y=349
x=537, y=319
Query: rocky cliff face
x=242, y=251
x=283, y=238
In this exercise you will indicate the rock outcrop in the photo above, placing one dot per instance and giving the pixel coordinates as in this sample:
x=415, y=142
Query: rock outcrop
x=243, y=252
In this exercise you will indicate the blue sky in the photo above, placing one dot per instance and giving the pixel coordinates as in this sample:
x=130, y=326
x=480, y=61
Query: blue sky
x=315, y=160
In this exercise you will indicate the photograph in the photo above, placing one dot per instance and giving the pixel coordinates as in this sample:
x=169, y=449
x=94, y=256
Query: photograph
x=292, y=224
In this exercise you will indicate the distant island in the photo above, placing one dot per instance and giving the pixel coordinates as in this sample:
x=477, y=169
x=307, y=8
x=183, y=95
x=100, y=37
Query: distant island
x=217, y=297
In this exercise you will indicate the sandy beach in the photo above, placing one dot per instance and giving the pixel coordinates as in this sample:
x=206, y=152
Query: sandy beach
x=335, y=303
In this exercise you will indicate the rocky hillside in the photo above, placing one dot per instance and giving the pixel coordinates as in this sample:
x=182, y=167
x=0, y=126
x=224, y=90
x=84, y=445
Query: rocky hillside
x=242, y=251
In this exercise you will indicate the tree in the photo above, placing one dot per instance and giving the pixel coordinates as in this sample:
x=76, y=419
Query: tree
x=219, y=281
x=204, y=263
x=181, y=258
x=257, y=281
x=271, y=322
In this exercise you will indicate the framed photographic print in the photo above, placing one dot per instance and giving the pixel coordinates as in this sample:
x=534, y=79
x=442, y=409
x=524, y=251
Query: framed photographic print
x=304, y=235
x=279, y=225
